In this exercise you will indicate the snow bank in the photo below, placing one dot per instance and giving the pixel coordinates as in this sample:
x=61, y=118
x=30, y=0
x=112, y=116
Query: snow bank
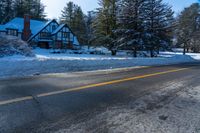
x=10, y=45
x=45, y=62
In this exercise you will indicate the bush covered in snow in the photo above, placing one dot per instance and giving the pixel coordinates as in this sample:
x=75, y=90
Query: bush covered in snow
x=10, y=45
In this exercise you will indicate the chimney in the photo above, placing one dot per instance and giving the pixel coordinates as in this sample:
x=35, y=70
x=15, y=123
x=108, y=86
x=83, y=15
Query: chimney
x=27, y=29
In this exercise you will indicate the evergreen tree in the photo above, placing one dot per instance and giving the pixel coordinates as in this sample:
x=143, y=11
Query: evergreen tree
x=74, y=17
x=6, y=10
x=188, y=26
x=37, y=10
x=2, y=10
x=67, y=15
x=80, y=25
x=105, y=24
x=144, y=24
x=91, y=16
x=18, y=8
x=130, y=30
x=158, y=24
x=32, y=7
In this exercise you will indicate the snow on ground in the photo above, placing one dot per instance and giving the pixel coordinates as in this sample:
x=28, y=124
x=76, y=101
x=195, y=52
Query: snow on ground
x=46, y=62
x=10, y=45
x=174, y=109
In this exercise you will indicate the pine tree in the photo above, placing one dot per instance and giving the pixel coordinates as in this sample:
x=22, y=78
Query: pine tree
x=91, y=16
x=32, y=7
x=130, y=30
x=80, y=25
x=2, y=10
x=74, y=17
x=188, y=26
x=67, y=15
x=105, y=24
x=6, y=10
x=19, y=6
x=158, y=25
x=144, y=24
x=37, y=10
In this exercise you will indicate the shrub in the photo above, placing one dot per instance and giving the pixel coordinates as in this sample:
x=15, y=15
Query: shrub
x=10, y=45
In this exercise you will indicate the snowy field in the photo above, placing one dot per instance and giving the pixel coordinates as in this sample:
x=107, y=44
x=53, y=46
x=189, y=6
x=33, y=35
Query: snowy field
x=45, y=62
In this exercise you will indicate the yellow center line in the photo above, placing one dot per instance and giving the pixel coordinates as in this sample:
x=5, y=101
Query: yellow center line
x=88, y=86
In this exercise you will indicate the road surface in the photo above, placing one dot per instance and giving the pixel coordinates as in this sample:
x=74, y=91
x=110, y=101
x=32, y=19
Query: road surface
x=39, y=103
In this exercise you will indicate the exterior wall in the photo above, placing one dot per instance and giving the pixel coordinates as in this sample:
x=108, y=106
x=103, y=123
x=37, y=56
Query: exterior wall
x=44, y=38
x=48, y=30
x=65, y=39
x=43, y=45
x=2, y=33
x=19, y=35
x=62, y=39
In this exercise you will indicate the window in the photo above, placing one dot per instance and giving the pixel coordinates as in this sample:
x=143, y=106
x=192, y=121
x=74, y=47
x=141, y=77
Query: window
x=43, y=34
x=65, y=34
x=12, y=32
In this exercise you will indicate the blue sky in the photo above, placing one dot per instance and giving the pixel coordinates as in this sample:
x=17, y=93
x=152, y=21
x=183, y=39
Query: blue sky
x=54, y=7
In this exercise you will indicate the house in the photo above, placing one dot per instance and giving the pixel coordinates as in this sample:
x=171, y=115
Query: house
x=43, y=34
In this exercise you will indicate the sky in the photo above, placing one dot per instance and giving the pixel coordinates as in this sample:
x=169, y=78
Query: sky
x=54, y=7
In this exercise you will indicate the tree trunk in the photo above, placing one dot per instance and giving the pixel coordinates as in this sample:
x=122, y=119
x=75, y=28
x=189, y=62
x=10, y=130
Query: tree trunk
x=184, y=49
x=134, y=52
x=158, y=50
x=151, y=52
x=187, y=50
x=114, y=52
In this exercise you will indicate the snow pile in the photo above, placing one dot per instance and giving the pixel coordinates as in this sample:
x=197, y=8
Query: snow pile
x=10, y=45
x=46, y=62
x=174, y=109
x=95, y=50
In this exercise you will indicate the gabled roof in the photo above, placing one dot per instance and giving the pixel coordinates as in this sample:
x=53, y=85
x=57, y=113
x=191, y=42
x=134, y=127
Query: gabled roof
x=41, y=28
x=58, y=29
x=18, y=24
x=61, y=27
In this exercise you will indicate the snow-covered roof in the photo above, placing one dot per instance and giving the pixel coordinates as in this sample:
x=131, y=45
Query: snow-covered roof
x=18, y=23
x=36, y=27
x=40, y=29
x=58, y=29
x=2, y=28
x=76, y=42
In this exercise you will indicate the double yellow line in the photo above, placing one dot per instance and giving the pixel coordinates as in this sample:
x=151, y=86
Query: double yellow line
x=87, y=87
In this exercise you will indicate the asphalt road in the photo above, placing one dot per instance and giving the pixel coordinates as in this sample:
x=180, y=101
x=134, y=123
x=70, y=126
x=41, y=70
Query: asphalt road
x=36, y=104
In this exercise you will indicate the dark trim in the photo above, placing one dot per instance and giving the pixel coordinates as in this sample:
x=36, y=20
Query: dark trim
x=58, y=30
x=43, y=29
x=70, y=31
x=65, y=25
x=12, y=29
